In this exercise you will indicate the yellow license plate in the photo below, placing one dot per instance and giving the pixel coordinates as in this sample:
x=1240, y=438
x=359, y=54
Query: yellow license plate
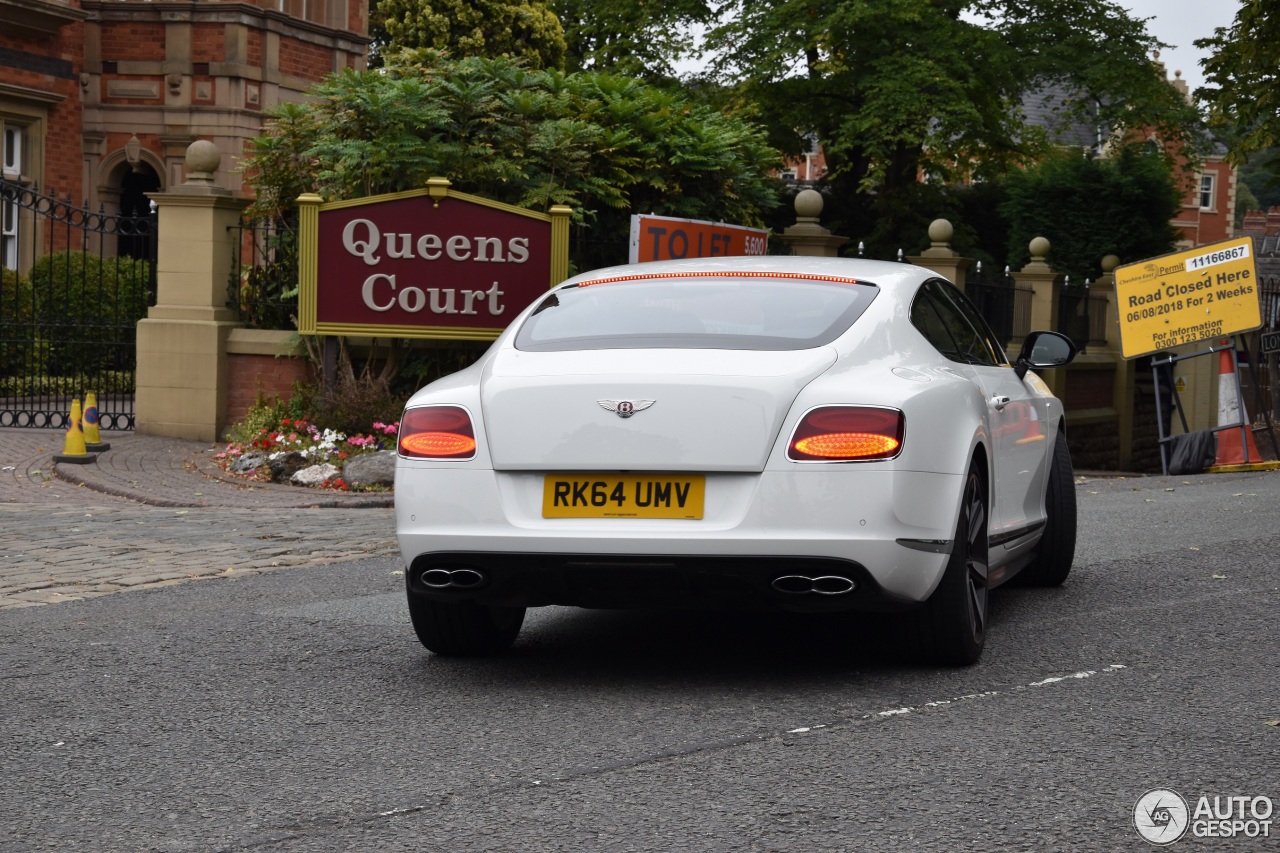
x=623, y=495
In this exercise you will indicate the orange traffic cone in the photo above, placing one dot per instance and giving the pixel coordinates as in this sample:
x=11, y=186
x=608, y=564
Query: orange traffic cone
x=1231, y=413
x=92, y=438
x=73, y=449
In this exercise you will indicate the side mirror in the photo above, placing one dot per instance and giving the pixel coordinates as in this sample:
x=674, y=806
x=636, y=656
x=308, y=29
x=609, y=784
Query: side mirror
x=1042, y=350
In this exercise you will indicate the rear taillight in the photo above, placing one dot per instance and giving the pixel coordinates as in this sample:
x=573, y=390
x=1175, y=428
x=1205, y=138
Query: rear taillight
x=847, y=433
x=437, y=432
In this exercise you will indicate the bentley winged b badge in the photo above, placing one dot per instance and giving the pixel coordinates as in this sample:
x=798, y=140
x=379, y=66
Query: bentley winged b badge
x=625, y=408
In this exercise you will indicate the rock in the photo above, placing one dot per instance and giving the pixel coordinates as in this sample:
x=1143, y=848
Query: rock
x=314, y=475
x=371, y=469
x=285, y=464
x=249, y=462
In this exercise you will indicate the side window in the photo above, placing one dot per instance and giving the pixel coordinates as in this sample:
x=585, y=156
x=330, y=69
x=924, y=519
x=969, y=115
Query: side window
x=925, y=317
x=978, y=322
x=945, y=326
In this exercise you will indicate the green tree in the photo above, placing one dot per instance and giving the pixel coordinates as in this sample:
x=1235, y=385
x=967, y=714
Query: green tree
x=1242, y=91
x=1260, y=174
x=899, y=89
x=630, y=37
x=1089, y=207
x=1245, y=202
x=603, y=144
x=523, y=29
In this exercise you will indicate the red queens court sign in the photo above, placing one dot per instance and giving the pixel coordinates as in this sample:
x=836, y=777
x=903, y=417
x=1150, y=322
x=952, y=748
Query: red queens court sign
x=430, y=263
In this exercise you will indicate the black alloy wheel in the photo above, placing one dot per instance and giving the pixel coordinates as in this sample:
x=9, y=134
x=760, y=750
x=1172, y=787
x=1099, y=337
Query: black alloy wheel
x=1057, y=549
x=951, y=628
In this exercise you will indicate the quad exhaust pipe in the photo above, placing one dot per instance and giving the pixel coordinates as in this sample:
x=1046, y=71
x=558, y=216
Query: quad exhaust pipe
x=814, y=585
x=452, y=579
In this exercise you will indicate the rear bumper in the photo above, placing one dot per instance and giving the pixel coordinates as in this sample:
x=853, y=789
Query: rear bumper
x=652, y=580
x=753, y=525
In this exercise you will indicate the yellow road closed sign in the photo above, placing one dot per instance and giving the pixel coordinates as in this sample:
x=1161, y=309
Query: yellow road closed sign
x=1203, y=293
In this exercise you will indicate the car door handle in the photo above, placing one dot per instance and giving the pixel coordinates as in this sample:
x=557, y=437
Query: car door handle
x=998, y=403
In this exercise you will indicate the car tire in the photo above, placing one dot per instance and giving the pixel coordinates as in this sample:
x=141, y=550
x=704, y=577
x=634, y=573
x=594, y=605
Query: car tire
x=464, y=628
x=1057, y=548
x=952, y=625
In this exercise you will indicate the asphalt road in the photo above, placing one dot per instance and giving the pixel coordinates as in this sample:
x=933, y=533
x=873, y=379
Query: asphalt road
x=293, y=711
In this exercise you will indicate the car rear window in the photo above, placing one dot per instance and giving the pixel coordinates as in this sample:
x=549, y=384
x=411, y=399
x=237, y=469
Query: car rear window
x=696, y=312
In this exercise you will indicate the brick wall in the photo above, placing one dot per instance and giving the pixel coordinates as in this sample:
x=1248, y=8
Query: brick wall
x=358, y=16
x=1261, y=223
x=208, y=42
x=133, y=41
x=266, y=375
x=51, y=64
x=1094, y=447
x=299, y=59
x=255, y=49
x=1089, y=389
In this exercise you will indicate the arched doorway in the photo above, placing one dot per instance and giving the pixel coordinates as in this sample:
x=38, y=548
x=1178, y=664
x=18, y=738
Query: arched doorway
x=135, y=229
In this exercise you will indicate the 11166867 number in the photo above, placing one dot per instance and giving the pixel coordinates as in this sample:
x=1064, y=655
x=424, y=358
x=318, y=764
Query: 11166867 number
x=1222, y=256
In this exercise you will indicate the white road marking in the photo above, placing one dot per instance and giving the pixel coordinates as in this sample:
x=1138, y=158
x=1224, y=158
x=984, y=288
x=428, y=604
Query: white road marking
x=912, y=709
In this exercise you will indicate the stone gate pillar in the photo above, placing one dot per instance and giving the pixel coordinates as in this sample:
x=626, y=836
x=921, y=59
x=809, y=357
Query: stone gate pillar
x=940, y=257
x=182, y=358
x=1046, y=288
x=807, y=237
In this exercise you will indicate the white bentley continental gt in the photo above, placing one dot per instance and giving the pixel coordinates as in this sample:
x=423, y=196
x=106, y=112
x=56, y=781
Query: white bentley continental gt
x=801, y=434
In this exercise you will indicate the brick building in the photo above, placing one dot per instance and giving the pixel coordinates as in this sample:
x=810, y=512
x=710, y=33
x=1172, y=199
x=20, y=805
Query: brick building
x=99, y=99
x=1207, y=212
x=1208, y=208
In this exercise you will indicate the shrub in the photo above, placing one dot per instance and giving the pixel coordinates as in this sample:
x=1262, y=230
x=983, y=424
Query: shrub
x=88, y=308
x=352, y=405
x=21, y=350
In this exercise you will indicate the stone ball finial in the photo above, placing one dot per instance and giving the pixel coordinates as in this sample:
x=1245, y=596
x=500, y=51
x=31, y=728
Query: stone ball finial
x=808, y=204
x=940, y=232
x=1039, y=247
x=1109, y=263
x=202, y=161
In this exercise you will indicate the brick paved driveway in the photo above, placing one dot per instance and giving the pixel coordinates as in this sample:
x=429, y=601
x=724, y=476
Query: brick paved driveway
x=152, y=511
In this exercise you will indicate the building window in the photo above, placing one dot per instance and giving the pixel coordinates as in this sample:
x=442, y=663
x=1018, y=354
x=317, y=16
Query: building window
x=1206, y=192
x=12, y=152
x=11, y=148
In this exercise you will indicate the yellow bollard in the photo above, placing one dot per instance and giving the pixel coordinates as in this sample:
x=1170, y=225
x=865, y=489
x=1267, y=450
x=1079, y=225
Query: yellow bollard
x=73, y=449
x=92, y=438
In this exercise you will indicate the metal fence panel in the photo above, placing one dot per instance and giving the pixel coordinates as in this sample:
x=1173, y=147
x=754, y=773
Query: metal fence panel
x=73, y=285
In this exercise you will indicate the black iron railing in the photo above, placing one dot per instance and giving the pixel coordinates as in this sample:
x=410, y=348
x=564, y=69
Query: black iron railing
x=263, y=290
x=73, y=285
